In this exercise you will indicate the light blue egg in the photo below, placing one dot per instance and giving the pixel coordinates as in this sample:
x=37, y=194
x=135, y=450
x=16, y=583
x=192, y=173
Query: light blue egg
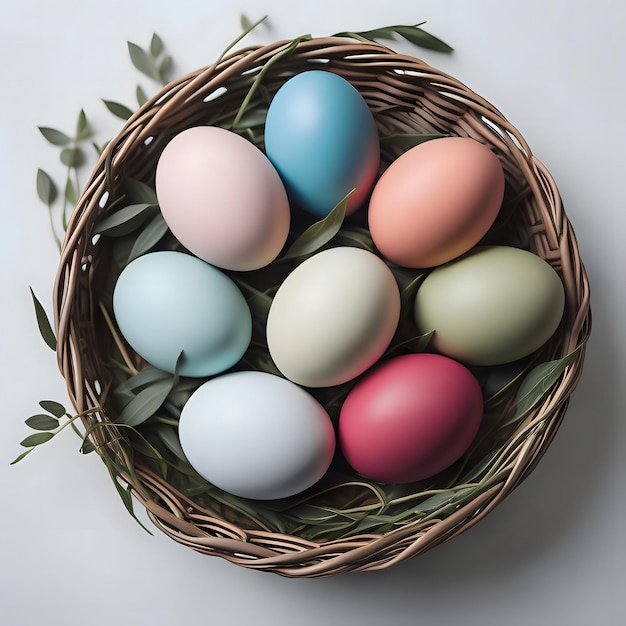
x=169, y=302
x=321, y=137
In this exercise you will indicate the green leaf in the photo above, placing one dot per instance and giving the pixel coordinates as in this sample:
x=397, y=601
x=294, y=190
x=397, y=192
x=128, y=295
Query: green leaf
x=125, y=494
x=371, y=522
x=36, y=440
x=54, y=136
x=419, y=37
x=71, y=195
x=319, y=233
x=146, y=403
x=407, y=296
x=164, y=67
x=44, y=325
x=156, y=45
x=412, y=33
x=315, y=514
x=478, y=471
x=72, y=157
x=42, y=421
x=147, y=376
x=167, y=434
x=82, y=127
x=245, y=22
x=99, y=149
x=438, y=500
x=140, y=192
x=118, y=109
x=176, y=377
x=87, y=447
x=259, y=305
x=46, y=189
x=149, y=237
x=125, y=220
x=21, y=456
x=182, y=392
x=142, y=61
x=419, y=343
x=141, y=96
x=55, y=408
x=369, y=35
x=539, y=381
x=357, y=237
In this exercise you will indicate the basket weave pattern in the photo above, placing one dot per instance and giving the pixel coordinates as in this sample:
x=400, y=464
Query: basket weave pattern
x=407, y=96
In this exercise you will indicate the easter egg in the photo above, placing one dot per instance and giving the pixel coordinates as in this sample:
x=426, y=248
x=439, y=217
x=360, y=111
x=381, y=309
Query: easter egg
x=436, y=201
x=410, y=418
x=170, y=302
x=321, y=137
x=222, y=199
x=333, y=317
x=493, y=305
x=256, y=435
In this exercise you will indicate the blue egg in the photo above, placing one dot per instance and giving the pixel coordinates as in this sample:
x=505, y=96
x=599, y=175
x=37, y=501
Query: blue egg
x=170, y=302
x=321, y=137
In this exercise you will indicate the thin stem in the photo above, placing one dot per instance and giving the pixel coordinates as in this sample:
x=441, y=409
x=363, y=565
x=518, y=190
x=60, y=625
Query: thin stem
x=257, y=81
x=57, y=240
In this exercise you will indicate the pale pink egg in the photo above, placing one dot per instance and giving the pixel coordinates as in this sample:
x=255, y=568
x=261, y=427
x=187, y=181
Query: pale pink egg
x=222, y=198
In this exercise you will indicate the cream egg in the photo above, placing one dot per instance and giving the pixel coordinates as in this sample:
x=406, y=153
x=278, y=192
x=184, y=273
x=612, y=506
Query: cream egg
x=333, y=317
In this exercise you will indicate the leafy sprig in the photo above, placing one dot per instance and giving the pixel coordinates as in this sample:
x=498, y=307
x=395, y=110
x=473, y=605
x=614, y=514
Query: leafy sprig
x=47, y=425
x=414, y=34
x=72, y=155
x=74, y=148
x=153, y=62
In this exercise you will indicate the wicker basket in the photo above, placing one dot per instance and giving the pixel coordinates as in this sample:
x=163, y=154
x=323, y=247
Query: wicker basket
x=407, y=96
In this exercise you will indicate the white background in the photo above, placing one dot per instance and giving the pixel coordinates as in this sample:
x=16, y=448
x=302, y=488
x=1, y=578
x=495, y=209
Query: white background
x=553, y=553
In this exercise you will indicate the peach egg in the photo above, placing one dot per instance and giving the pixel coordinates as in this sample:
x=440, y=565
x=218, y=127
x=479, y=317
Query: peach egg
x=436, y=201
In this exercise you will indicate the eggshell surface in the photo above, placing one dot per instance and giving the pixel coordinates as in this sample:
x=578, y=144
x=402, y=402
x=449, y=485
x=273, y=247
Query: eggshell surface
x=333, y=317
x=493, y=305
x=436, y=201
x=222, y=198
x=256, y=435
x=170, y=302
x=410, y=418
x=321, y=137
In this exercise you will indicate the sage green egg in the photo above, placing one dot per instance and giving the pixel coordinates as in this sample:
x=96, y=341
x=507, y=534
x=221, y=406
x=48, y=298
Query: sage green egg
x=493, y=305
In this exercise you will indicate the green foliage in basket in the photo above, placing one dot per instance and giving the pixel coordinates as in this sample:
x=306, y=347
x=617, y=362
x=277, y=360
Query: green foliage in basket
x=149, y=401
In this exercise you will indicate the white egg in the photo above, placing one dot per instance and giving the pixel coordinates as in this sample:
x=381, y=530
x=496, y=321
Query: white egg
x=256, y=435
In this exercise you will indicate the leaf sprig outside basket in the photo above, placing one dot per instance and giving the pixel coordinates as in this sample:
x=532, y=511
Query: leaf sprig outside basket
x=153, y=62
x=148, y=401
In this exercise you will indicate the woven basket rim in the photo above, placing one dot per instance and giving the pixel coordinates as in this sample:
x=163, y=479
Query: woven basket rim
x=383, y=76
